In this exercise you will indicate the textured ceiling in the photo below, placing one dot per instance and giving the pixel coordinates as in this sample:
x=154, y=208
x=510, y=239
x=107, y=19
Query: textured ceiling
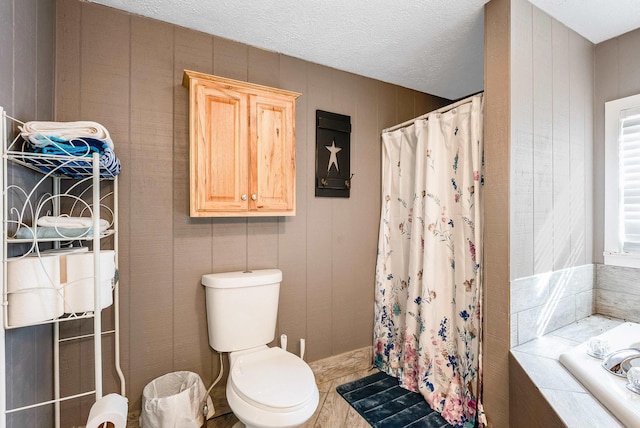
x=434, y=46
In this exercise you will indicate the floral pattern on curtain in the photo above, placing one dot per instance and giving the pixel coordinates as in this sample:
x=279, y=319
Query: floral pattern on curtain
x=428, y=296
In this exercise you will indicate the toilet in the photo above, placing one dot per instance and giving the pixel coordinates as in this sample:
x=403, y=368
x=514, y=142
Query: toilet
x=267, y=387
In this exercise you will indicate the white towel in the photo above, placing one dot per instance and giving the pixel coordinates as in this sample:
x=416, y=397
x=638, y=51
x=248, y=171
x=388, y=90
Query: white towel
x=67, y=130
x=67, y=222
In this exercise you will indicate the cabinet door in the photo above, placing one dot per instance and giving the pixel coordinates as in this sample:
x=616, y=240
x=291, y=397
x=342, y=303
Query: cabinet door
x=272, y=166
x=219, y=153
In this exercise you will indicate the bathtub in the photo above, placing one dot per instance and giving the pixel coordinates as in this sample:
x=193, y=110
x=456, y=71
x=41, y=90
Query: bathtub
x=606, y=387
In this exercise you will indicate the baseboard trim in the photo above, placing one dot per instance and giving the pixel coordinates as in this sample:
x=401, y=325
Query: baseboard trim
x=340, y=365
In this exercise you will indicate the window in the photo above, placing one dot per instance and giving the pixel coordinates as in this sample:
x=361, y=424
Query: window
x=622, y=182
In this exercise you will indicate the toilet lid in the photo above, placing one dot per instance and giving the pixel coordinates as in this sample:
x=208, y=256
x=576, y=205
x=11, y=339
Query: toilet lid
x=273, y=377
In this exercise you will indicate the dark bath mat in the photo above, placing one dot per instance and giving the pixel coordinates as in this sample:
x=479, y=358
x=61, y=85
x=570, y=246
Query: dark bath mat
x=383, y=403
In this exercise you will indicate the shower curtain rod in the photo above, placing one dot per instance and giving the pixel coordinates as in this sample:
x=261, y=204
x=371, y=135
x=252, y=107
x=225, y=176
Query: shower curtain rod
x=440, y=110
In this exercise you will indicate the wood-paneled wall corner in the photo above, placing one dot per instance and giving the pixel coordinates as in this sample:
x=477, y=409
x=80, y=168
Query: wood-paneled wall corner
x=497, y=134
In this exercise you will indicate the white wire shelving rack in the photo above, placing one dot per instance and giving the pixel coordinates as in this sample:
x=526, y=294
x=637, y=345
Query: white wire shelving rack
x=85, y=196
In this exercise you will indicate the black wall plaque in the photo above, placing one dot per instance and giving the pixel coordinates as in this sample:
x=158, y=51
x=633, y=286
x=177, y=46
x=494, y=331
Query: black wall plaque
x=333, y=155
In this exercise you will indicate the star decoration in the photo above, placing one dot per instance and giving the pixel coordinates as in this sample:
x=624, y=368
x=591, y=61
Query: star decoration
x=333, y=159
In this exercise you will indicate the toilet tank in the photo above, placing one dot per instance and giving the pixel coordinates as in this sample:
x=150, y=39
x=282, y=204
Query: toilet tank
x=242, y=308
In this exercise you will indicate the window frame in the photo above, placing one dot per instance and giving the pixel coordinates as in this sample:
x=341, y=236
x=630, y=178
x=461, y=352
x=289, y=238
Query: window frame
x=613, y=239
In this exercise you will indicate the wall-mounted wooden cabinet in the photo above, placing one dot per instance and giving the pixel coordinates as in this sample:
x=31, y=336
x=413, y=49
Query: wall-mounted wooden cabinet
x=242, y=148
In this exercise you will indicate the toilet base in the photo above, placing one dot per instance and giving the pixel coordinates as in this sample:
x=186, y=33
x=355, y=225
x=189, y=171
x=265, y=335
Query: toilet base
x=262, y=418
x=239, y=425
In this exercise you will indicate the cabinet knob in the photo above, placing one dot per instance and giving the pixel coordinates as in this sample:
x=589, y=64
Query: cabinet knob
x=254, y=197
x=244, y=197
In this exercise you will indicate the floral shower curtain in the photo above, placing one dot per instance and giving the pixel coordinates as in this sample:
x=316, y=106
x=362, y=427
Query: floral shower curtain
x=428, y=297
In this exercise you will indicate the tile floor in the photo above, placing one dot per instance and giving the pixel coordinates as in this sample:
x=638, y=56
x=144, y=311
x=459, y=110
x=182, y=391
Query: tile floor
x=332, y=412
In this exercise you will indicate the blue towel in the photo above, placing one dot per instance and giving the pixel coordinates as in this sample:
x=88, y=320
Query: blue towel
x=78, y=147
x=52, y=145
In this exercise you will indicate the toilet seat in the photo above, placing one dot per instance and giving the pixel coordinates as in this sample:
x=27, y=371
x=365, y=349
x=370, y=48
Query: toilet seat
x=273, y=379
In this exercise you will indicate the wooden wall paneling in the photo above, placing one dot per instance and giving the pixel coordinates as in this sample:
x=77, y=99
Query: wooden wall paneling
x=78, y=409
x=25, y=79
x=45, y=75
x=87, y=379
x=522, y=174
x=425, y=103
x=44, y=371
x=151, y=248
x=121, y=135
x=67, y=93
x=45, y=59
x=561, y=141
x=366, y=196
x=22, y=378
x=229, y=244
x=105, y=71
x=606, y=89
x=405, y=104
x=230, y=59
x=262, y=242
x=422, y=104
x=262, y=233
x=71, y=374
x=577, y=90
x=192, y=253
x=497, y=132
x=29, y=376
x=292, y=231
x=346, y=250
x=543, y=256
x=369, y=167
x=229, y=252
x=387, y=116
x=7, y=51
x=104, y=64
x=264, y=67
x=319, y=227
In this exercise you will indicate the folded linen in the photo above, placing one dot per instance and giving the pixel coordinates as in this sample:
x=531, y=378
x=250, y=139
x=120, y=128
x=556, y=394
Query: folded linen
x=52, y=145
x=67, y=222
x=67, y=130
x=78, y=147
x=26, y=232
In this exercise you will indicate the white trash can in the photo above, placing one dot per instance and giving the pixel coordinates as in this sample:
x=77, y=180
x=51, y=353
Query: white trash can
x=175, y=400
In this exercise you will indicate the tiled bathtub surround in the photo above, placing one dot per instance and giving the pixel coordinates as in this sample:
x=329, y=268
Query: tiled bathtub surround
x=539, y=382
x=543, y=303
x=618, y=292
